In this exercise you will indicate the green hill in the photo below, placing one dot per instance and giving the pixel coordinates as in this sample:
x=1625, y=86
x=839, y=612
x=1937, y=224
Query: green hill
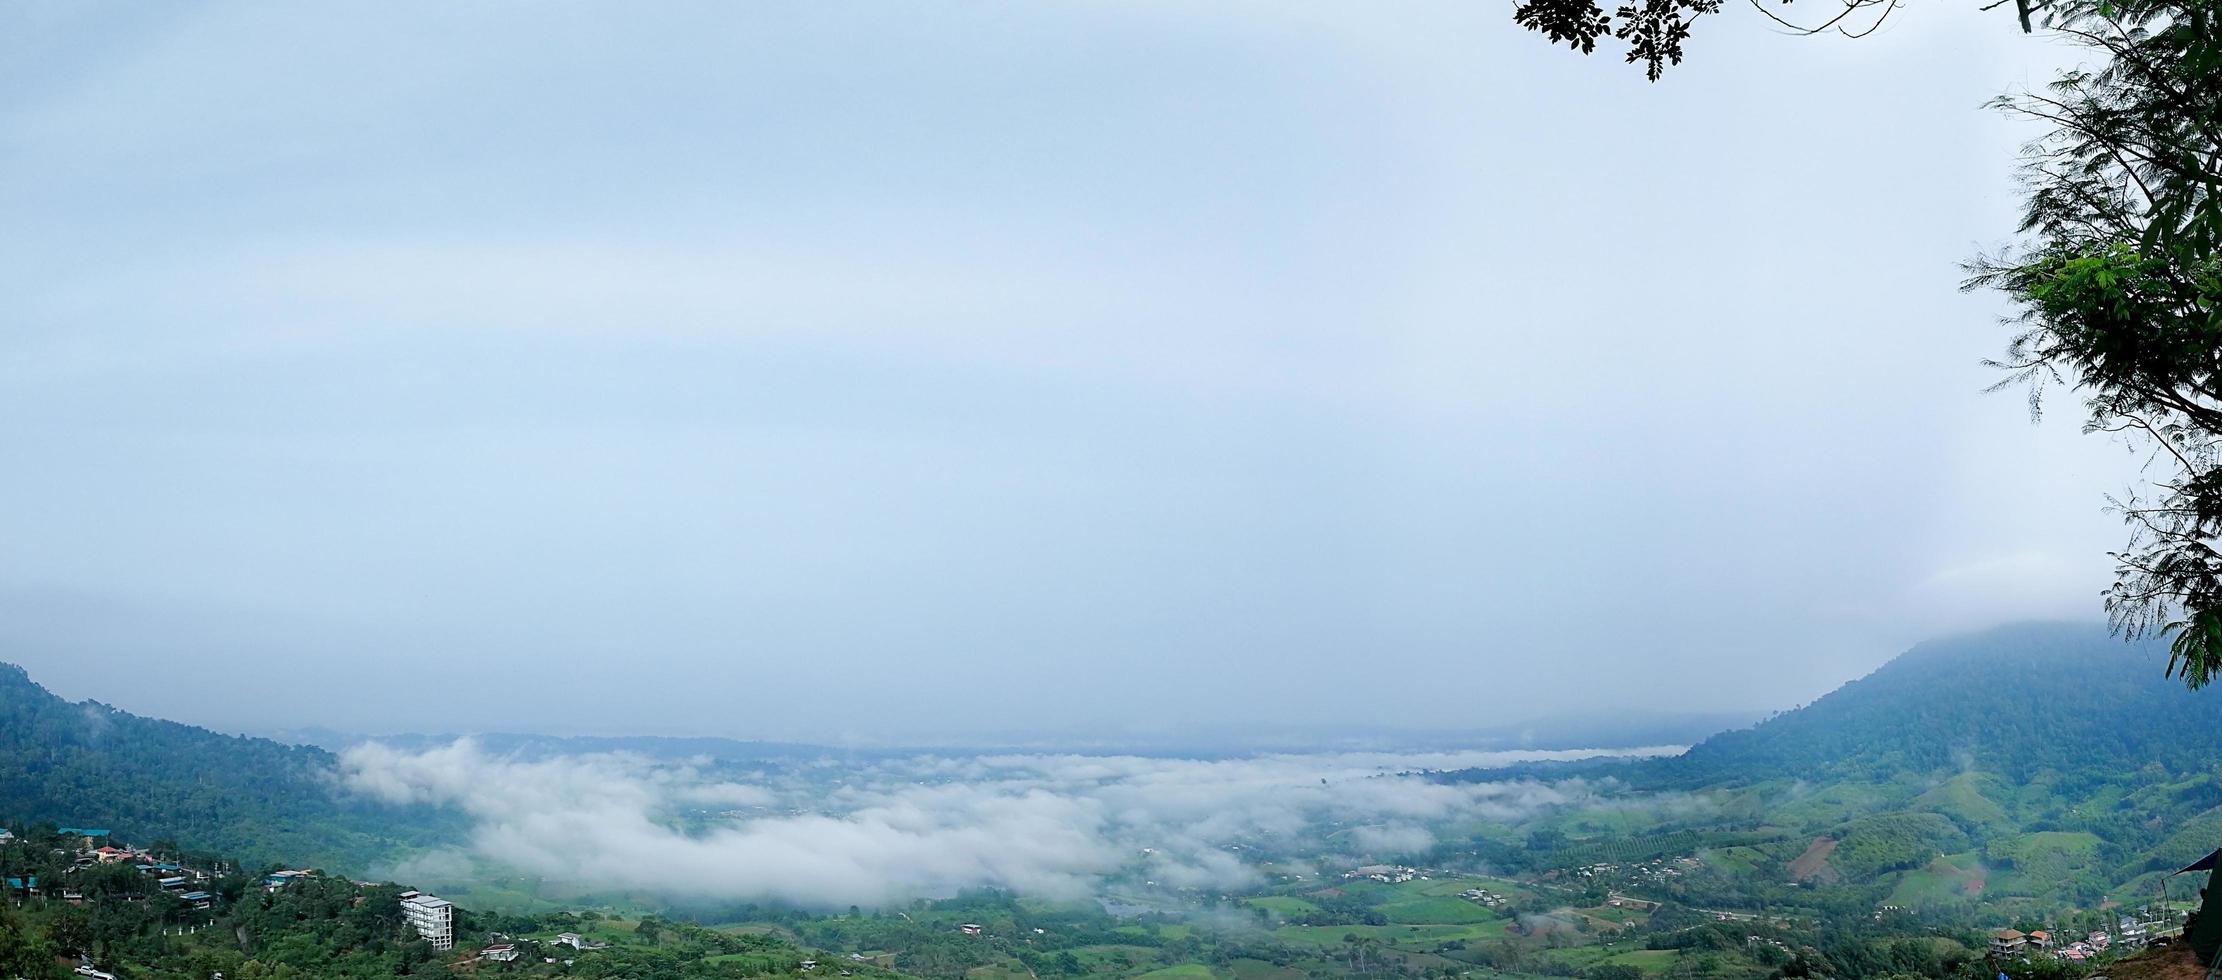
x=90, y=765
x=2012, y=701
x=1970, y=799
x=2050, y=763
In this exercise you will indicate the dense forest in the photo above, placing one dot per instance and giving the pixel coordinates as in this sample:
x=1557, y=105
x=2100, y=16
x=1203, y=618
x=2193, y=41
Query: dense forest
x=91, y=765
x=2015, y=701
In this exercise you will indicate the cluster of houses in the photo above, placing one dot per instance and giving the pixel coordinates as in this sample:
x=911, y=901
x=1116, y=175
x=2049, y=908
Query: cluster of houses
x=1484, y=897
x=2014, y=944
x=1630, y=902
x=96, y=846
x=1387, y=873
x=1656, y=871
x=511, y=950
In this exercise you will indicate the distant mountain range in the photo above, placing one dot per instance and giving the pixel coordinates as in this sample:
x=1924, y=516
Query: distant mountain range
x=2042, y=728
x=1619, y=730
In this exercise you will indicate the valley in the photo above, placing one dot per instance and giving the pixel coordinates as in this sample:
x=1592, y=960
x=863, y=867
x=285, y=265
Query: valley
x=1896, y=826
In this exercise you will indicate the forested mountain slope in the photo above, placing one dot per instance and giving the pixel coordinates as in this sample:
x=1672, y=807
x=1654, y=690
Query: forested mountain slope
x=90, y=765
x=2012, y=701
x=2037, y=764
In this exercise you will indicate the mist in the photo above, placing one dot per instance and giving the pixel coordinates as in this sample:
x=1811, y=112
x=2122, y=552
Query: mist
x=831, y=835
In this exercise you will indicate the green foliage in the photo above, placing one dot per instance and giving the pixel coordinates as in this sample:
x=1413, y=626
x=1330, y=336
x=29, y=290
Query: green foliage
x=89, y=764
x=2120, y=291
x=1895, y=842
x=2015, y=701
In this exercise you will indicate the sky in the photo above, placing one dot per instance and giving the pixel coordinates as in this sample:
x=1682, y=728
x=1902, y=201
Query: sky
x=861, y=371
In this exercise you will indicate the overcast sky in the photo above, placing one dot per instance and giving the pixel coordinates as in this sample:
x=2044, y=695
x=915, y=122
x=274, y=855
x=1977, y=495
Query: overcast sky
x=835, y=370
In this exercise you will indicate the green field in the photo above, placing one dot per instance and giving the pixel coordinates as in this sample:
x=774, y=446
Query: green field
x=1108, y=954
x=1951, y=878
x=1330, y=937
x=1262, y=970
x=1437, y=911
x=1963, y=799
x=1283, y=905
x=1185, y=971
x=1735, y=860
x=1647, y=960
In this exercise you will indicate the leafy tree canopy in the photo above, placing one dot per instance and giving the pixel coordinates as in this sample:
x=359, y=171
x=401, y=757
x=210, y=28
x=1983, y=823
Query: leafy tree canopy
x=2119, y=293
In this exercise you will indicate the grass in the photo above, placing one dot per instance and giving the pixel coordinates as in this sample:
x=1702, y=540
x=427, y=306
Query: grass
x=1185, y=971
x=1961, y=798
x=1437, y=911
x=1736, y=860
x=1262, y=970
x=1283, y=905
x=1330, y=937
x=1099, y=955
x=1946, y=879
x=1647, y=960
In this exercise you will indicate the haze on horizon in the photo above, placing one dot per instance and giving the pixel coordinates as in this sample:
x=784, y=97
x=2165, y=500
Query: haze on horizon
x=834, y=370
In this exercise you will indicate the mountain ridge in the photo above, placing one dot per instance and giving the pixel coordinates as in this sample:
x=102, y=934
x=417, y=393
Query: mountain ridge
x=90, y=764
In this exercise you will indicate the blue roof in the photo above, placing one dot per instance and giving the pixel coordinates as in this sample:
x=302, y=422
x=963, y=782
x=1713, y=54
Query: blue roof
x=18, y=882
x=195, y=896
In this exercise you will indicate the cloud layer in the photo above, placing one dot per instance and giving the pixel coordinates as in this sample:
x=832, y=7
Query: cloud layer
x=1050, y=825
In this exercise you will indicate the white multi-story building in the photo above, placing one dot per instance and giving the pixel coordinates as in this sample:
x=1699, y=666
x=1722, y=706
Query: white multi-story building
x=433, y=918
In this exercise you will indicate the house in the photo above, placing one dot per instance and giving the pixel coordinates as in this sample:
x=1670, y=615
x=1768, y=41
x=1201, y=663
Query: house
x=110, y=855
x=5, y=836
x=499, y=954
x=2132, y=931
x=281, y=879
x=2099, y=940
x=28, y=885
x=2007, y=942
x=2040, y=939
x=576, y=941
x=201, y=901
x=970, y=929
x=92, y=836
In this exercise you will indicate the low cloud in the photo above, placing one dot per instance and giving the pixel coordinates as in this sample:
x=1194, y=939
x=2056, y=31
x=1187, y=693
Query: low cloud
x=1051, y=825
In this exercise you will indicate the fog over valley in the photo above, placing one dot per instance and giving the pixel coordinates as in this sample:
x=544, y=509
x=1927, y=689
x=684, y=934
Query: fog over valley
x=826, y=834
x=1111, y=490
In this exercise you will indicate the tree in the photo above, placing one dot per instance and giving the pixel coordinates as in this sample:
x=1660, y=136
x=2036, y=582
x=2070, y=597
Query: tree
x=2120, y=294
x=70, y=930
x=1654, y=30
x=23, y=953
